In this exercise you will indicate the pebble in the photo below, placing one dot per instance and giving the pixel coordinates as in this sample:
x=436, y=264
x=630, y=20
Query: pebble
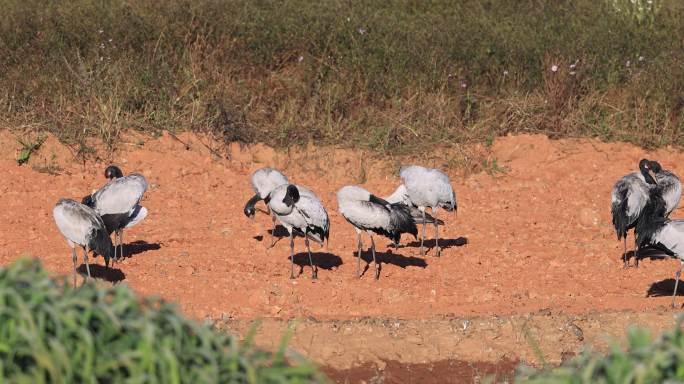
x=589, y=217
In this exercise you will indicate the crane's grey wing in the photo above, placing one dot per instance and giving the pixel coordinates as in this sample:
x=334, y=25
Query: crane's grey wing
x=120, y=195
x=637, y=196
x=400, y=195
x=629, y=196
x=265, y=180
x=428, y=187
x=672, y=189
x=671, y=236
x=74, y=223
x=315, y=216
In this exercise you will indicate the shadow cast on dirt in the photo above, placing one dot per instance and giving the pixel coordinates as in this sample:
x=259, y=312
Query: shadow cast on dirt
x=322, y=260
x=389, y=257
x=97, y=271
x=664, y=288
x=443, y=243
x=139, y=246
x=279, y=233
x=650, y=253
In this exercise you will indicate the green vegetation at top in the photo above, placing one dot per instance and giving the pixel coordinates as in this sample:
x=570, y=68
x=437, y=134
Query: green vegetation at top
x=52, y=333
x=642, y=362
x=388, y=75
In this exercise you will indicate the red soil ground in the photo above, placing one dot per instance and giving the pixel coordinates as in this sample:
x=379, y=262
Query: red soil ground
x=539, y=234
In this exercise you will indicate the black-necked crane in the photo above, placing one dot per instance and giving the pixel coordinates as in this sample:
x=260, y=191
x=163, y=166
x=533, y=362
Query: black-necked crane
x=628, y=199
x=369, y=213
x=428, y=188
x=301, y=213
x=81, y=225
x=118, y=203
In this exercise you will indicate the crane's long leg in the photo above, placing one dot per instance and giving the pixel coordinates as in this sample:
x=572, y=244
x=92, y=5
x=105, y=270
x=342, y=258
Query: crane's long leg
x=273, y=238
x=422, y=237
x=292, y=276
x=624, y=255
x=314, y=269
x=74, y=258
x=116, y=240
x=438, y=250
x=85, y=258
x=679, y=272
x=377, y=270
x=358, y=259
x=121, y=255
x=636, y=252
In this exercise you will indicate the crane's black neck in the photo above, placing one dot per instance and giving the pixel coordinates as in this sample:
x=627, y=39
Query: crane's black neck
x=644, y=167
x=652, y=217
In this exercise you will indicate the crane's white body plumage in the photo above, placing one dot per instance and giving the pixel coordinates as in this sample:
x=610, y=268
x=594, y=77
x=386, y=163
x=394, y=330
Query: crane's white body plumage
x=355, y=205
x=81, y=225
x=428, y=187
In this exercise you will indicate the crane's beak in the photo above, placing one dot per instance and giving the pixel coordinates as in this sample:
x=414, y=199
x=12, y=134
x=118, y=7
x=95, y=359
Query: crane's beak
x=653, y=175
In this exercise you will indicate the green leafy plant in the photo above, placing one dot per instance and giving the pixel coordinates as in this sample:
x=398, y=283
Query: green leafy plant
x=50, y=332
x=643, y=361
x=28, y=146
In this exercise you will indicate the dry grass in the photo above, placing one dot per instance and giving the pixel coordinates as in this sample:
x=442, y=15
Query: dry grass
x=394, y=77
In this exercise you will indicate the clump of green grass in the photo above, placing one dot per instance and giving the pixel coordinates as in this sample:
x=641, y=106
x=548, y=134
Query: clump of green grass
x=28, y=146
x=643, y=361
x=50, y=332
x=394, y=76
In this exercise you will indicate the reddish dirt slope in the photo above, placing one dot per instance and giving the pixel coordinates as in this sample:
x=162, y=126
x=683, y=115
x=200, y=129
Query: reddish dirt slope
x=538, y=236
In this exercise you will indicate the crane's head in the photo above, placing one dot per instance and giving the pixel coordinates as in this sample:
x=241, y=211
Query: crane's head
x=88, y=200
x=113, y=172
x=250, y=209
x=655, y=167
x=291, y=195
x=646, y=167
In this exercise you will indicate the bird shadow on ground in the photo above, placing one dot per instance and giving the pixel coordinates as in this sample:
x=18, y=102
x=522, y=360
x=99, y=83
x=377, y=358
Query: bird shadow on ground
x=664, y=288
x=139, y=246
x=650, y=253
x=389, y=257
x=322, y=260
x=97, y=271
x=278, y=233
x=443, y=243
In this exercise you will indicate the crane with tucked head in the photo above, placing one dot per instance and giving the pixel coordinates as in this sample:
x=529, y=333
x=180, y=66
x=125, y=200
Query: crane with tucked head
x=81, y=225
x=373, y=215
x=428, y=188
x=118, y=203
x=301, y=213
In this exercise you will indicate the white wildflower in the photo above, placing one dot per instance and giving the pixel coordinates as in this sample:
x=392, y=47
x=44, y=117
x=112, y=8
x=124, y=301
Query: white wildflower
x=554, y=68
